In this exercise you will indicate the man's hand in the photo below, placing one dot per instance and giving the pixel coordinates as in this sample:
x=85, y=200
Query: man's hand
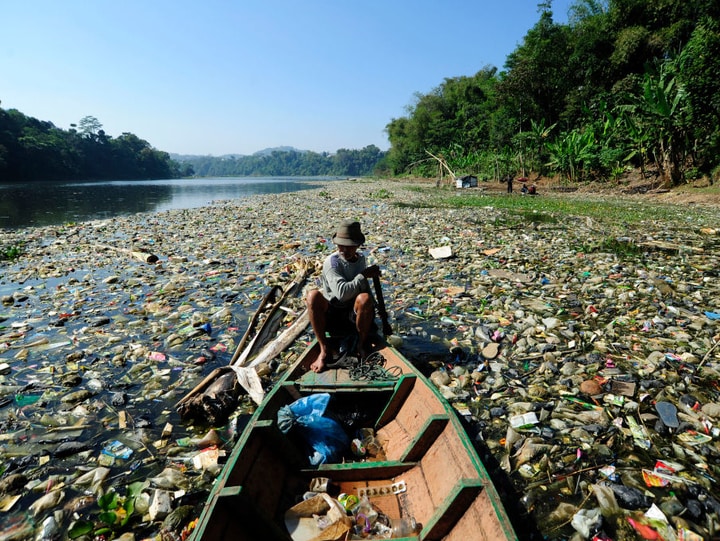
x=371, y=272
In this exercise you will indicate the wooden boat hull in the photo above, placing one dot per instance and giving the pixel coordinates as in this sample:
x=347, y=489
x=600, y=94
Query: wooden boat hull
x=444, y=486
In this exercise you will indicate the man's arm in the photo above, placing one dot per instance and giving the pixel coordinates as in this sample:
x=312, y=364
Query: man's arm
x=345, y=290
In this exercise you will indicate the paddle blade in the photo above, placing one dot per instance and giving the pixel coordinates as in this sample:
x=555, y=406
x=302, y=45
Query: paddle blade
x=387, y=329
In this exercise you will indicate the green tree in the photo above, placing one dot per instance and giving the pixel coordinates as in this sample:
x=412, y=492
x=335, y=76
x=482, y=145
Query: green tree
x=458, y=112
x=31, y=149
x=698, y=67
x=90, y=127
x=537, y=80
x=571, y=153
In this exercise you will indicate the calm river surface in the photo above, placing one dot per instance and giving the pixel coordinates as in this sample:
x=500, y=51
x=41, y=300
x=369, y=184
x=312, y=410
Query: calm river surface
x=56, y=203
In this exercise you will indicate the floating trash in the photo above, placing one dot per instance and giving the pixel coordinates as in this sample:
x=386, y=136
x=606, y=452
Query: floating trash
x=565, y=351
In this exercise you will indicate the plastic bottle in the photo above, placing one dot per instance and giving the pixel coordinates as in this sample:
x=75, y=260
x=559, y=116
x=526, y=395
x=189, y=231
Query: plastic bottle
x=403, y=527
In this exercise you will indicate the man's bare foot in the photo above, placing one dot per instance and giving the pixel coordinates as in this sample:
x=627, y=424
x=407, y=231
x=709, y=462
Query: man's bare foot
x=364, y=350
x=318, y=364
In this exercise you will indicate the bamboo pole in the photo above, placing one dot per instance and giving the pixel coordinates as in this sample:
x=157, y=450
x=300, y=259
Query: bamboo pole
x=269, y=297
x=443, y=165
x=287, y=337
x=272, y=321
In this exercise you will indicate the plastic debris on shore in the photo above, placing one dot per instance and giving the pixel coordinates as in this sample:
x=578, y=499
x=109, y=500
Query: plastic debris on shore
x=587, y=370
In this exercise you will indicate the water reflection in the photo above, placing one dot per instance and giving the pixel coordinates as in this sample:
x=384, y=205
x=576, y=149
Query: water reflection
x=55, y=203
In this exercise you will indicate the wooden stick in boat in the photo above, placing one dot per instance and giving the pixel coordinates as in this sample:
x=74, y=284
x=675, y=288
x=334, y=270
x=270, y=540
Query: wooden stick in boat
x=247, y=375
x=269, y=296
x=271, y=323
x=387, y=329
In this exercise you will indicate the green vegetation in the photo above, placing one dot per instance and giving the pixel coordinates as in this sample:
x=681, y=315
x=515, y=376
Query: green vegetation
x=621, y=247
x=10, y=253
x=549, y=208
x=618, y=246
x=280, y=163
x=32, y=150
x=535, y=217
x=116, y=512
x=382, y=194
x=626, y=84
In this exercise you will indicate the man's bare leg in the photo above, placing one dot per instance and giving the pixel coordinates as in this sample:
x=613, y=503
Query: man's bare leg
x=364, y=315
x=317, y=306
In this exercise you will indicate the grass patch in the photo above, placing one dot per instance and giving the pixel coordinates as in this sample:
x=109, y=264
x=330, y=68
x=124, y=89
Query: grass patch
x=425, y=205
x=620, y=247
x=535, y=217
x=382, y=194
x=549, y=207
x=605, y=210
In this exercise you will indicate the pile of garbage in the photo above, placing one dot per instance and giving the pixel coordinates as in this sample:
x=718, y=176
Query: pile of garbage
x=583, y=355
x=591, y=379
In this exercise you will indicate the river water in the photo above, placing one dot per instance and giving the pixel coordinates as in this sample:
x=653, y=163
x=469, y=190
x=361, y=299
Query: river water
x=56, y=203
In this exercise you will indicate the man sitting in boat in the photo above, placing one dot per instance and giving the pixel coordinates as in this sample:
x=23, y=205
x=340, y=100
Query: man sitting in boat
x=344, y=294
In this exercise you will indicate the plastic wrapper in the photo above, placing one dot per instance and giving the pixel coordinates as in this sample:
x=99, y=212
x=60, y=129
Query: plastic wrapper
x=325, y=436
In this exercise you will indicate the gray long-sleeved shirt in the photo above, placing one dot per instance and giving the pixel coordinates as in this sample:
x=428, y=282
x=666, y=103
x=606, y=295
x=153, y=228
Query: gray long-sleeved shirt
x=341, y=280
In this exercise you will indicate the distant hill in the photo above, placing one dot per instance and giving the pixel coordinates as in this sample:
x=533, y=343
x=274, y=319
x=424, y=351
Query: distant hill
x=286, y=161
x=264, y=152
x=268, y=151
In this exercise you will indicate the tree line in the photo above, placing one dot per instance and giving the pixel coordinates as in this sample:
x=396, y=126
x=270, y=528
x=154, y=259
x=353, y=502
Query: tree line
x=624, y=84
x=32, y=149
x=344, y=162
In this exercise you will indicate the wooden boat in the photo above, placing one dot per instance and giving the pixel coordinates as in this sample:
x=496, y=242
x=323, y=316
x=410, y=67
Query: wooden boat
x=428, y=472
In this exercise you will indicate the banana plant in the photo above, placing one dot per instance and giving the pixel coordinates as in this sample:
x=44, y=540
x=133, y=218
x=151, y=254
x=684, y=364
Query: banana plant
x=571, y=153
x=663, y=101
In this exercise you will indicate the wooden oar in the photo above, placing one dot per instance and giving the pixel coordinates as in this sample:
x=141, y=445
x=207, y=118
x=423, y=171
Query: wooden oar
x=387, y=329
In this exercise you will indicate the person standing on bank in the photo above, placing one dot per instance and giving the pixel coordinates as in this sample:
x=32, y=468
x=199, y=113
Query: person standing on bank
x=344, y=293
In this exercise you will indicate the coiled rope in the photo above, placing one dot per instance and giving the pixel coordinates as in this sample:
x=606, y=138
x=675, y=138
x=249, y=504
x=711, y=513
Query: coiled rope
x=372, y=368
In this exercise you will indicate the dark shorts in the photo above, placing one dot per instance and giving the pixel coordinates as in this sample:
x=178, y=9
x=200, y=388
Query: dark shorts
x=340, y=319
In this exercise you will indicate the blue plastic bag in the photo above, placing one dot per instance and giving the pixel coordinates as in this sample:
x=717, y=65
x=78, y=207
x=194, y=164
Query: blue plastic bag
x=324, y=435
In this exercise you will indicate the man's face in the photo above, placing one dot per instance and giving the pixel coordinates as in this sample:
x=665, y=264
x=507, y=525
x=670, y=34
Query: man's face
x=348, y=253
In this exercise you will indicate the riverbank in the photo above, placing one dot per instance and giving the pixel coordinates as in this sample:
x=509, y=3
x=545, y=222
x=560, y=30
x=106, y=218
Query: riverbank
x=98, y=345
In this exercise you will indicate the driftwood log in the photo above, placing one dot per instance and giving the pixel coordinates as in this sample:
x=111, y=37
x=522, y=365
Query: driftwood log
x=145, y=257
x=217, y=400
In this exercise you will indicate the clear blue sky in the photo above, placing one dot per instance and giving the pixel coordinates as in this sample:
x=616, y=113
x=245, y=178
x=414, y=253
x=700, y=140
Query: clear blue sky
x=237, y=76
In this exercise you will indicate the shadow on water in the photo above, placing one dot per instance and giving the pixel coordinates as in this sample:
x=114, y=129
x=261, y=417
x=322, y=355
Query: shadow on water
x=524, y=525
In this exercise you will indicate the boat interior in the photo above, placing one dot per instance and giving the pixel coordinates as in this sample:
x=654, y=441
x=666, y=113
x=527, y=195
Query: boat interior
x=425, y=474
